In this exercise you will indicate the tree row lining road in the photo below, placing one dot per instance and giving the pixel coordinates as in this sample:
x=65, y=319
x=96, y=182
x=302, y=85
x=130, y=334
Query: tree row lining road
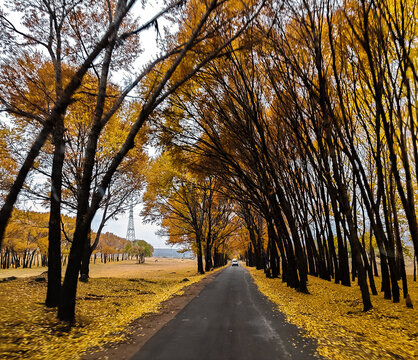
x=229, y=319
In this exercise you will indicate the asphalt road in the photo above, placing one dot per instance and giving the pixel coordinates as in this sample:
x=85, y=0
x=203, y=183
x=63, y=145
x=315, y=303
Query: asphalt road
x=229, y=319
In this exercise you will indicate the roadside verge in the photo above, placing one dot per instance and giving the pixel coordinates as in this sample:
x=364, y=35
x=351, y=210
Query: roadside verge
x=333, y=315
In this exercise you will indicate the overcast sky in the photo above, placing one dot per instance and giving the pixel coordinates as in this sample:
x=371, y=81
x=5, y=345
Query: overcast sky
x=142, y=231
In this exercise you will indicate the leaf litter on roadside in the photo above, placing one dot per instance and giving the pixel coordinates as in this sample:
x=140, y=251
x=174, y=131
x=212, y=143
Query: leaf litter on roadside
x=105, y=308
x=333, y=315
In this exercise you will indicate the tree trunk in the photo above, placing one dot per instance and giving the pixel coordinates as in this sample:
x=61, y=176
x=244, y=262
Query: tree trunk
x=208, y=256
x=66, y=309
x=199, y=256
x=85, y=262
x=54, y=231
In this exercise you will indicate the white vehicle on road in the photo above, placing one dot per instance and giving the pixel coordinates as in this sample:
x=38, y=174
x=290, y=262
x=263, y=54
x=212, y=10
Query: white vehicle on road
x=234, y=262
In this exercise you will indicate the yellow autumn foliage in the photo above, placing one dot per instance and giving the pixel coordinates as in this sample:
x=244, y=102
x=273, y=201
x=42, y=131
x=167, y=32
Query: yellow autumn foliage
x=105, y=307
x=333, y=315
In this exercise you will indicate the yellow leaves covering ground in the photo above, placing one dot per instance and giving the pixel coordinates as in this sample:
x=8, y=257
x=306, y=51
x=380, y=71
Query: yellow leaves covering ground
x=105, y=306
x=333, y=315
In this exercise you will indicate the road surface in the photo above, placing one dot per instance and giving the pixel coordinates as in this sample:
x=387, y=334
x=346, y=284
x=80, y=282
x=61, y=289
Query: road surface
x=229, y=319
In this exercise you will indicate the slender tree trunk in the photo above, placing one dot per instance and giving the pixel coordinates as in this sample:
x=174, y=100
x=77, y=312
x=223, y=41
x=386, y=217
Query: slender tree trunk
x=66, y=309
x=356, y=251
x=344, y=273
x=85, y=262
x=331, y=244
x=199, y=256
x=208, y=256
x=274, y=257
x=352, y=233
x=54, y=232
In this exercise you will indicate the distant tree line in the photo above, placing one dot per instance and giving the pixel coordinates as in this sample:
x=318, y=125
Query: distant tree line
x=26, y=243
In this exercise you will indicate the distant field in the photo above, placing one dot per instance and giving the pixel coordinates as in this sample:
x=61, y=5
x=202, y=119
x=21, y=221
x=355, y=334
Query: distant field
x=121, y=269
x=153, y=267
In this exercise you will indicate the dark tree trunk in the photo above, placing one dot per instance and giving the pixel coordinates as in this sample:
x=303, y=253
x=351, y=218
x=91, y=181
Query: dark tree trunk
x=216, y=260
x=312, y=253
x=301, y=262
x=356, y=252
x=331, y=244
x=208, y=256
x=66, y=309
x=85, y=262
x=54, y=232
x=199, y=256
x=274, y=257
x=369, y=271
x=344, y=272
x=400, y=262
x=353, y=267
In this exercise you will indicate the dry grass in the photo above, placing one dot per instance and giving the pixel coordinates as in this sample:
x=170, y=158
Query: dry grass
x=333, y=315
x=117, y=294
x=121, y=269
x=153, y=267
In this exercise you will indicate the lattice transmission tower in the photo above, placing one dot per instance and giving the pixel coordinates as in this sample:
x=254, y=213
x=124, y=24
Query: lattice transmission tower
x=130, y=235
